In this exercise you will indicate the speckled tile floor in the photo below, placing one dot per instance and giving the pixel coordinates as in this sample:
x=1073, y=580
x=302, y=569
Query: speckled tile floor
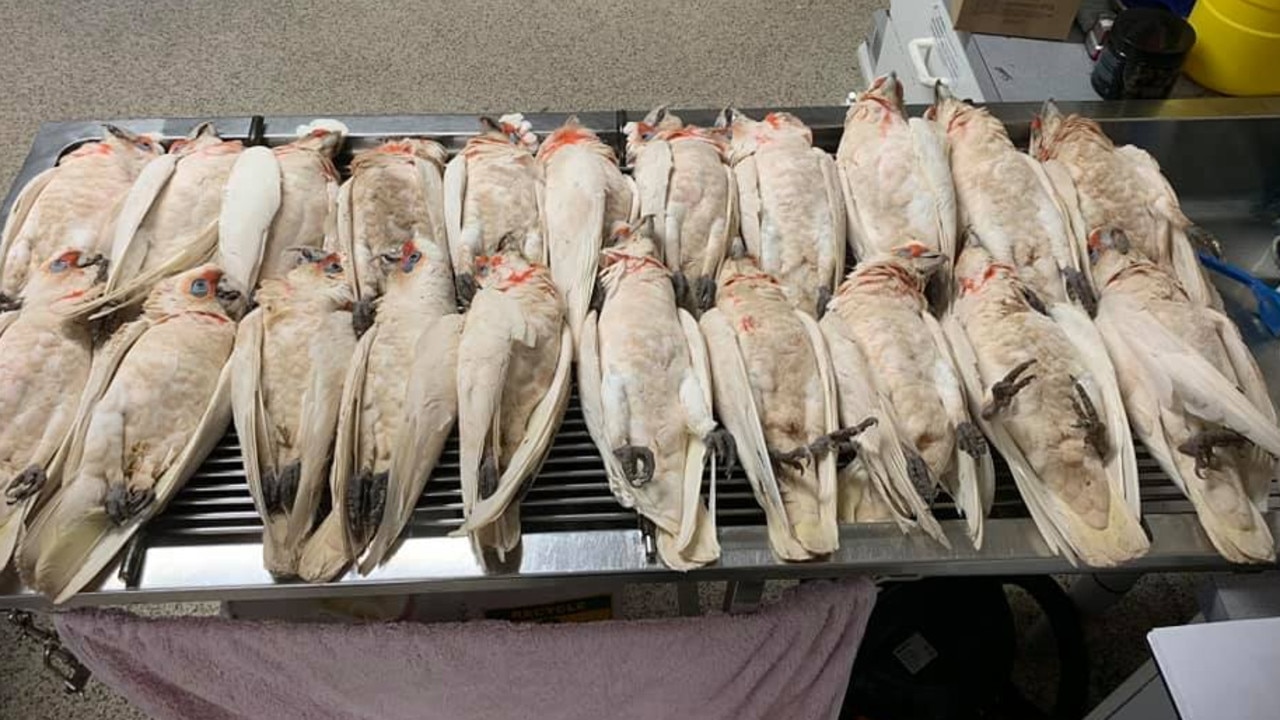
x=64, y=59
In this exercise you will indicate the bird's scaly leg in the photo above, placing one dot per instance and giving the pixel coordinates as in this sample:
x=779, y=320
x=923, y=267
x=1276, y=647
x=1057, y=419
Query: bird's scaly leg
x=1003, y=392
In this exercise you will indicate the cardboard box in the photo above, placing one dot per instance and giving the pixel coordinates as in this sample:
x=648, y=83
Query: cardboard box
x=1047, y=19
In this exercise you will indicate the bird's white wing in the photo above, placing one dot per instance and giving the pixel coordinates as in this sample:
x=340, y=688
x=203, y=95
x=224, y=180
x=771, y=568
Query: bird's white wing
x=347, y=240
x=1237, y=530
x=735, y=406
x=321, y=406
x=1063, y=243
x=1254, y=386
x=430, y=407
x=1091, y=350
x=590, y=384
x=827, y=470
x=93, y=543
x=433, y=188
x=879, y=446
x=723, y=231
x=127, y=256
x=855, y=231
x=455, y=191
x=20, y=210
x=1203, y=390
x=249, y=415
x=1024, y=475
x=832, y=258
x=749, y=204
x=696, y=543
x=931, y=157
x=1183, y=256
x=42, y=532
x=106, y=360
x=575, y=211
x=331, y=546
x=249, y=205
x=652, y=176
x=540, y=431
x=1056, y=178
x=975, y=485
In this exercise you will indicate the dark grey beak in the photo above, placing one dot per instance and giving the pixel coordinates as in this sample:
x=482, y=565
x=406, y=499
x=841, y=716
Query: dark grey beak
x=941, y=92
x=309, y=254
x=226, y=293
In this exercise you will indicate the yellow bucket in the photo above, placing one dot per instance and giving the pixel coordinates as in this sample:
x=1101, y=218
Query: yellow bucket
x=1237, y=46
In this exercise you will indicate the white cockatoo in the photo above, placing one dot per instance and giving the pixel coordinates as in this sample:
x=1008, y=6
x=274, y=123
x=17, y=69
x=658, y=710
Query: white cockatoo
x=492, y=189
x=399, y=402
x=1104, y=187
x=684, y=181
x=168, y=222
x=895, y=176
x=71, y=205
x=586, y=195
x=1005, y=198
x=775, y=392
x=308, y=207
x=892, y=362
x=44, y=364
x=1045, y=392
x=395, y=195
x=644, y=382
x=1194, y=394
x=514, y=361
x=156, y=404
x=206, y=200
x=290, y=359
x=790, y=206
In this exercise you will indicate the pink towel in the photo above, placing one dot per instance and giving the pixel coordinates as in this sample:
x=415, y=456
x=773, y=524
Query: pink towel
x=790, y=660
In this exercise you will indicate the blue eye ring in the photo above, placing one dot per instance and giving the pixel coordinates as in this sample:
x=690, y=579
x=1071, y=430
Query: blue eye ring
x=411, y=260
x=333, y=268
x=200, y=287
x=58, y=265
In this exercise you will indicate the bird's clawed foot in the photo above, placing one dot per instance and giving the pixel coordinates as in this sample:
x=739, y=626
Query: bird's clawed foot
x=971, y=440
x=920, y=475
x=1201, y=446
x=464, y=284
x=488, y=475
x=279, y=490
x=366, y=498
x=637, y=464
x=794, y=459
x=597, y=297
x=362, y=315
x=24, y=485
x=824, y=299
x=1202, y=239
x=1079, y=290
x=1034, y=301
x=721, y=444
x=680, y=284
x=124, y=503
x=1095, y=430
x=841, y=441
x=1003, y=392
x=704, y=289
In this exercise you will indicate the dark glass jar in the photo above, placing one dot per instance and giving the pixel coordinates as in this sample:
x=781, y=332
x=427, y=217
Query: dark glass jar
x=1143, y=54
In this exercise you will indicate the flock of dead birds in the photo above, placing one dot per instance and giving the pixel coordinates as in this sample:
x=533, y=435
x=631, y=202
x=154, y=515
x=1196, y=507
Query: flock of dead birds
x=1043, y=302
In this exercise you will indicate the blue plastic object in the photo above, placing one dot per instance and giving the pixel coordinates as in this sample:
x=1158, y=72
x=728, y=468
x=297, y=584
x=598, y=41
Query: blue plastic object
x=1267, y=297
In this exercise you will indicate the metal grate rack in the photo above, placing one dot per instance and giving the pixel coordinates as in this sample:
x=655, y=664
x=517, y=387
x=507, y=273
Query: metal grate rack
x=205, y=544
